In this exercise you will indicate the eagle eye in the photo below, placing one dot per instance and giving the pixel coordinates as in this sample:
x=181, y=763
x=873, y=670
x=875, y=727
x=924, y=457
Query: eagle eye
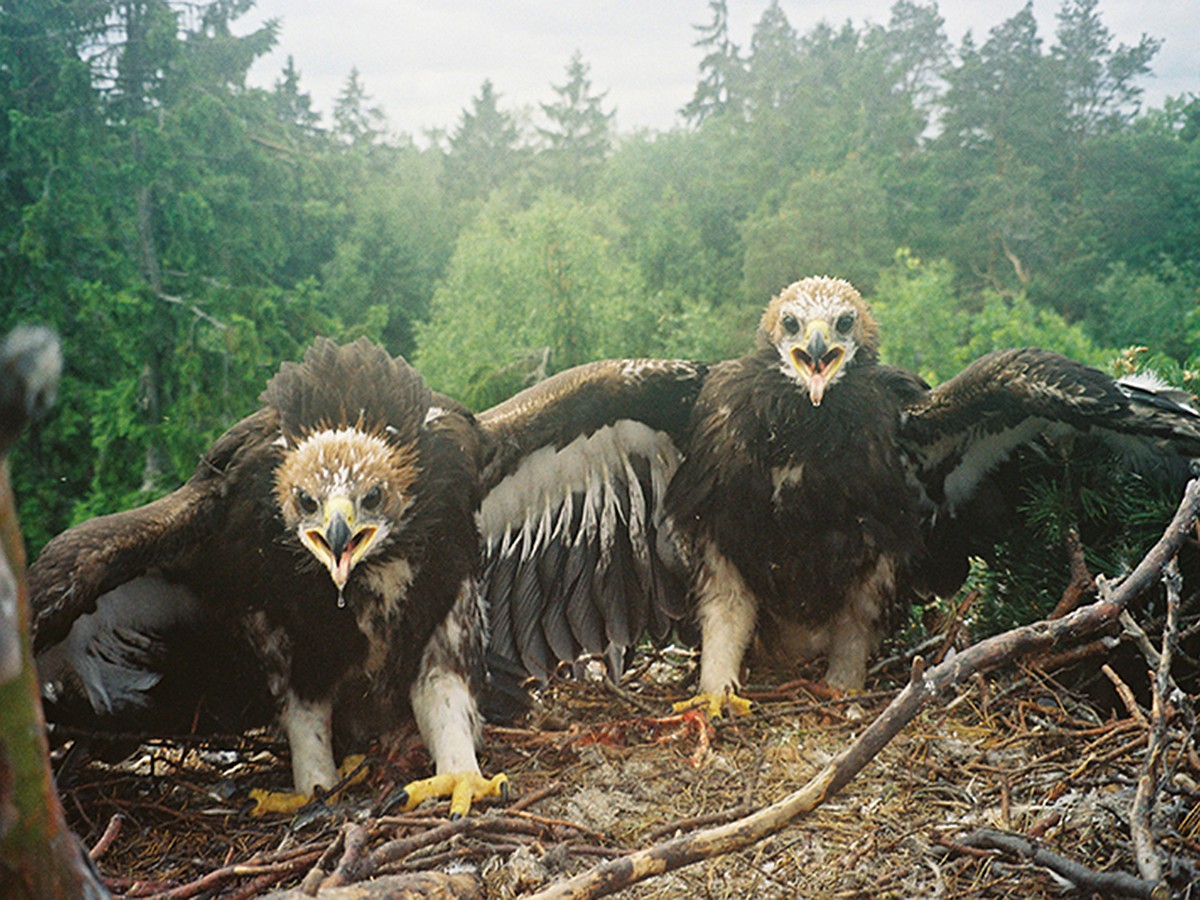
x=372, y=498
x=791, y=324
x=305, y=501
x=844, y=323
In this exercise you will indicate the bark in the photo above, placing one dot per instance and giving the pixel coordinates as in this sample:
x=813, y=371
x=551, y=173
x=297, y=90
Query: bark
x=411, y=886
x=40, y=858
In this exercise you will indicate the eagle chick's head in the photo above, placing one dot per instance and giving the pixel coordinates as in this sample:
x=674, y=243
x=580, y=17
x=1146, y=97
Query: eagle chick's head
x=820, y=327
x=342, y=492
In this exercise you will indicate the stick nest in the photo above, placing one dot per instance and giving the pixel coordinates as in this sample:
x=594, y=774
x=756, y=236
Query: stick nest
x=600, y=770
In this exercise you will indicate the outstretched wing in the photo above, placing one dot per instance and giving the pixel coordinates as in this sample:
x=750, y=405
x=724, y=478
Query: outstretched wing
x=577, y=557
x=958, y=433
x=169, y=535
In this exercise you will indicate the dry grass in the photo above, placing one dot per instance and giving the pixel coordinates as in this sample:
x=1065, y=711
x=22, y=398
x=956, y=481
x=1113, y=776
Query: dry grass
x=598, y=772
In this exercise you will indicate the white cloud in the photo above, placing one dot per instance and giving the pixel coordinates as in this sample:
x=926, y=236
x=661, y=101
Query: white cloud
x=423, y=62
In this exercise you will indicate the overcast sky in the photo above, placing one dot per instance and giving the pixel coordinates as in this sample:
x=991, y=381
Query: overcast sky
x=422, y=62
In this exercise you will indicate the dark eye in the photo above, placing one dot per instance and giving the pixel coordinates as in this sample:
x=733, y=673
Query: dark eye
x=844, y=323
x=372, y=498
x=790, y=324
x=304, y=500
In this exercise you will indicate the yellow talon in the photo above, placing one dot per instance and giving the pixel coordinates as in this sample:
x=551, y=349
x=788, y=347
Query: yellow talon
x=352, y=768
x=286, y=802
x=267, y=802
x=463, y=789
x=714, y=705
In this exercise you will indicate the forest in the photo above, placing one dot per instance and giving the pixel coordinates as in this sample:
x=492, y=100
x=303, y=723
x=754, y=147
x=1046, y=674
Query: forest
x=184, y=232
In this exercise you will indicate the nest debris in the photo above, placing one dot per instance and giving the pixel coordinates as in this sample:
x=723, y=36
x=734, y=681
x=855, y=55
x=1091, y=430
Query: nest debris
x=596, y=777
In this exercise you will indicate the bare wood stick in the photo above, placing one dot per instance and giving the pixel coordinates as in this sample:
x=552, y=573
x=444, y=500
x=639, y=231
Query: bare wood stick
x=312, y=881
x=1126, y=694
x=106, y=840
x=410, y=886
x=922, y=687
x=354, y=842
x=1108, y=884
x=1147, y=787
x=1082, y=581
x=396, y=850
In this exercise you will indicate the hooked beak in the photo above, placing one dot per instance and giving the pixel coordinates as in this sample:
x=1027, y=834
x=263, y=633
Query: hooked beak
x=818, y=362
x=338, y=544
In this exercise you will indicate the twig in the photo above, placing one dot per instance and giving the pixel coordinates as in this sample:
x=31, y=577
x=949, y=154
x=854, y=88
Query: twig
x=683, y=825
x=1108, y=884
x=629, y=697
x=1126, y=695
x=1147, y=787
x=312, y=881
x=354, y=842
x=1082, y=582
x=955, y=625
x=922, y=687
x=106, y=840
x=396, y=850
x=527, y=800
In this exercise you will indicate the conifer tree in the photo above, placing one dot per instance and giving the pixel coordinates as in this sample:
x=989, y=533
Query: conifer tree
x=580, y=132
x=722, y=69
x=484, y=150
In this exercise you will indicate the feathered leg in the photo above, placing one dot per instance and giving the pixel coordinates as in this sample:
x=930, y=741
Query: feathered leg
x=444, y=705
x=856, y=632
x=728, y=616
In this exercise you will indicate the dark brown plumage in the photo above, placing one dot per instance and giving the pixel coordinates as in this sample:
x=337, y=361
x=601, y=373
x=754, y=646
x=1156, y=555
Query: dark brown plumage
x=320, y=564
x=809, y=495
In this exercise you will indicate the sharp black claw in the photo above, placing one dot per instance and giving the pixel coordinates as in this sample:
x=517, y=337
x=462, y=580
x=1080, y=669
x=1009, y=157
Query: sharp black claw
x=454, y=817
x=392, y=800
x=504, y=791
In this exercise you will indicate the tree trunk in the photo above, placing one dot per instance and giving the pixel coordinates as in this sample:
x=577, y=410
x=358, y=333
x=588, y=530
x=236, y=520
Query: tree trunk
x=40, y=858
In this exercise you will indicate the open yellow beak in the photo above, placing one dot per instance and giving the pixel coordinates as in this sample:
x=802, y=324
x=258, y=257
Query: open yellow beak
x=338, y=544
x=819, y=360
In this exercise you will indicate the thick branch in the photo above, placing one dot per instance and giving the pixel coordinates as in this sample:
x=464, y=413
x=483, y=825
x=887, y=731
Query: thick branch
x=1107, y=884
x=1147, y=787
x=922, y=687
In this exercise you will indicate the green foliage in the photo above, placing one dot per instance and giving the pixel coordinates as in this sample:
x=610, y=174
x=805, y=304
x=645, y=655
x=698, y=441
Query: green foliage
x=1117, y=515
x=579, y=134
x=1157, y=308
x=530, y=292
x=936, y=332
x=797, y=240
x=186, y=233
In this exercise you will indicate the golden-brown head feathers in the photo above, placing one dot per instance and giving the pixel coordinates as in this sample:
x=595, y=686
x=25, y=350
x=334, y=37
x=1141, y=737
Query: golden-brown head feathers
x=819, y=326
x=342, y=492
x=349, y=418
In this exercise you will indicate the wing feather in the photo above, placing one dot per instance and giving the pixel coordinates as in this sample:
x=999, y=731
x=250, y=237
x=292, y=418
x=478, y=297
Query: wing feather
x=959, y=432
x=577, y=466
x=169, y=534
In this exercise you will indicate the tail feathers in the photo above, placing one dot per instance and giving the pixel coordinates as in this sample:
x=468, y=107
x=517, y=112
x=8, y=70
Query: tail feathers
x=1164, y=433
x=506, y=696
x=112, y=659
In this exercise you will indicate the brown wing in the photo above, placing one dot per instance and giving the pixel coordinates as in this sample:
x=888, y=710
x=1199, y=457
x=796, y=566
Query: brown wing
x=959, y=432
x=169, y=534
x=577, y=555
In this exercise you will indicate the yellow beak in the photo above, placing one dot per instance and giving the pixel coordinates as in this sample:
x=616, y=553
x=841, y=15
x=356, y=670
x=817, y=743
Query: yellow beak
x=819, y=360
x=338, y=543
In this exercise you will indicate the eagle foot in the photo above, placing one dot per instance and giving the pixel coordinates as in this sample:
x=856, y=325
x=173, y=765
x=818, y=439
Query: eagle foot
x=715, y=704
x=463, y=789
x=352, y=771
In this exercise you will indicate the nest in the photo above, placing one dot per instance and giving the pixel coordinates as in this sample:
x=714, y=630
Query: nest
x=600, y=770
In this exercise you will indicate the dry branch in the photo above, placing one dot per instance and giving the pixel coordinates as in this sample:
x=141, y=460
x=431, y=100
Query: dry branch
x=1147, y=788
x=922, y=687
x=411, y=886
x=1107, y=884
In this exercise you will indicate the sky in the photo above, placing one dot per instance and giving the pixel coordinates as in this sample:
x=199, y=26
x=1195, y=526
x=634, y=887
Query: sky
x=422, y=61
